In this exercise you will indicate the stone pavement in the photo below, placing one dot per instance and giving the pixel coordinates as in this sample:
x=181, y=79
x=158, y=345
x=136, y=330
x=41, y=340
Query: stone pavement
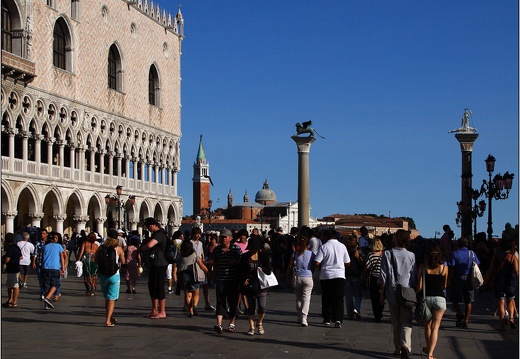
x=75, y=329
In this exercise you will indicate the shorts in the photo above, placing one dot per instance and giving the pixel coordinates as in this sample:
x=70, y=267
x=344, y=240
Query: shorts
x=436, y=303
x=110, y=286
x=51, y=278
x=169, y=271
x=507, y=292
x=24, y=269
x=460, y=291
x=12, y=280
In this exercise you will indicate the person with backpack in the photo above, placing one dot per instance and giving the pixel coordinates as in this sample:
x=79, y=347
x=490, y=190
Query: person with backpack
x=109, y=257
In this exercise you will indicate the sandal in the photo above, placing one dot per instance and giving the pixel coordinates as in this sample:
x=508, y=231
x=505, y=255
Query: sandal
x=251, y=331
x=110, y=325
x=260, y=329
x=231, y=328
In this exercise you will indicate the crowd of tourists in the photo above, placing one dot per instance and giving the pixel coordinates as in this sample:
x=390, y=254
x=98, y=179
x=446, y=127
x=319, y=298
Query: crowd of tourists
x=309, y=261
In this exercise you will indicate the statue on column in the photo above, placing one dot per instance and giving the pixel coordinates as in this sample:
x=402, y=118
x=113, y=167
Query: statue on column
x=304, y=127
x=465, y=123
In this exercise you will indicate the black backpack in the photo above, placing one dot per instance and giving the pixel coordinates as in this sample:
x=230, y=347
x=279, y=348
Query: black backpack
x=106, y=261
x=170, y=251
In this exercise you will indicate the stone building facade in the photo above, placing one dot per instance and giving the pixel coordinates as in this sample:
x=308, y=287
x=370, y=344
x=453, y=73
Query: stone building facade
x=91, y=101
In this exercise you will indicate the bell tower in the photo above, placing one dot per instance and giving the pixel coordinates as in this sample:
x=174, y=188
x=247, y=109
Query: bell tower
x=201, y=181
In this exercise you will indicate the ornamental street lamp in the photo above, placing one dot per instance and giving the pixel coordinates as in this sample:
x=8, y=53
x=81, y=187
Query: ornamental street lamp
x=497, y=189
x=114, y=200
x=477, y=210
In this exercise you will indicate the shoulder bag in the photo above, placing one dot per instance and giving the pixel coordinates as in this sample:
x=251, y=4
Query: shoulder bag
x=266, y=280
x=476, y=278
x=422, y=313
x=404, y=295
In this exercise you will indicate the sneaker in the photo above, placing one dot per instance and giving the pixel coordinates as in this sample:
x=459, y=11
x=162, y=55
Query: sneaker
x=46, y=307
x=304, y=323
x=170, y=291
x=326, y=323
x=218, y=329
x=209, y=307
x=48, y=303
x=195, y=312
x=337, y=324
x=356, y=314
x=25, y=285
x=231, y=328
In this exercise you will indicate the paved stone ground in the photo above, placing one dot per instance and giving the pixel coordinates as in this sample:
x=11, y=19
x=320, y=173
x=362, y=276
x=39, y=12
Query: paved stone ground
x=75, y=329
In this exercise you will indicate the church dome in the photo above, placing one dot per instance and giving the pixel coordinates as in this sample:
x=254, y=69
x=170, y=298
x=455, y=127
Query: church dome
x=265, y=195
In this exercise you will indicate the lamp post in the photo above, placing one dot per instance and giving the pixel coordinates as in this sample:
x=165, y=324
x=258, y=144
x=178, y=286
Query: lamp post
x=477, y=210
x=112, y=200
x=496, y=188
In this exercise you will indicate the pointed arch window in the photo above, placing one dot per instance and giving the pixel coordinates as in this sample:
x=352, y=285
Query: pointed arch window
x=7, y=37
x=61, y=47
x=153, y=86
x=114, y=69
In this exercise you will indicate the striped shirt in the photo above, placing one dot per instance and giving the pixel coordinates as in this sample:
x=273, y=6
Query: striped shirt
x=227, y=262
x=374, y=264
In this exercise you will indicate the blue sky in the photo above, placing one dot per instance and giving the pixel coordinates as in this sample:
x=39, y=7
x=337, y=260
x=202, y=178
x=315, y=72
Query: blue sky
x=382, y=81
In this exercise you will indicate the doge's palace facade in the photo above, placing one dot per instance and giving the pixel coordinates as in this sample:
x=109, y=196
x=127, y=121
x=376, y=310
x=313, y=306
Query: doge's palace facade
x=91, y=100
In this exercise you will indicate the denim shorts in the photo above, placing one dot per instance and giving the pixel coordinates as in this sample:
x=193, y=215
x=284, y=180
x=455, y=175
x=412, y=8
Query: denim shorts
x=436, y=303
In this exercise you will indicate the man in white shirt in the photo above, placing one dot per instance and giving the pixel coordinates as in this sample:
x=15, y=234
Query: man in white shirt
x=27, y=249
x=332, y=258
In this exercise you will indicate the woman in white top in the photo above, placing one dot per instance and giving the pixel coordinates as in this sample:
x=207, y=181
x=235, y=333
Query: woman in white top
x=332, y=257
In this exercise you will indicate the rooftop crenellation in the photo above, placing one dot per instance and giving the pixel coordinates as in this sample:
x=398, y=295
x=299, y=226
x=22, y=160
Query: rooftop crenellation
x=175, y=24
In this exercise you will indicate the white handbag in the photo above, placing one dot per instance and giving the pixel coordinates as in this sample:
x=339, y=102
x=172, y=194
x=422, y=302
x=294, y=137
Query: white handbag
x=266, y=280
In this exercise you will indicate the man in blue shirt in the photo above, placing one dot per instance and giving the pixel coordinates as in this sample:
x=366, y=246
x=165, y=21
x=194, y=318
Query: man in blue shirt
x=53, y=264
x=460, y=286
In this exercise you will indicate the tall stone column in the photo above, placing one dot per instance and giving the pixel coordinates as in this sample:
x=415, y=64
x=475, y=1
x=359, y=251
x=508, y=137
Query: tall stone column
x=466, y=141
x=304, y=208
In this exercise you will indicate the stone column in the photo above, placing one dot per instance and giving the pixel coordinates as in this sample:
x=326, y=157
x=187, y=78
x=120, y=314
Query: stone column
x=10, y=131
x=38, y=152
x=304, y=208
x=25, y=149
x=59, y=218
x=100, y=225
x=81, y=222
x=36, y=218
x=61, y=163
x=9, y=221
x=466, y=141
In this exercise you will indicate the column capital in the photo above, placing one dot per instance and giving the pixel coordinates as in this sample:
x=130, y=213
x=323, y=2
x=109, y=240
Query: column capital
x=10, y=214
x=81, y=218
x=100, y=219
x=303, y=143
x=36, y=215
x=60, y=217
x=466, y=141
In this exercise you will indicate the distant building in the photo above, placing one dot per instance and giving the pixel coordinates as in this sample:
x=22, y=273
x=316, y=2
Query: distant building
x=376, y=226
